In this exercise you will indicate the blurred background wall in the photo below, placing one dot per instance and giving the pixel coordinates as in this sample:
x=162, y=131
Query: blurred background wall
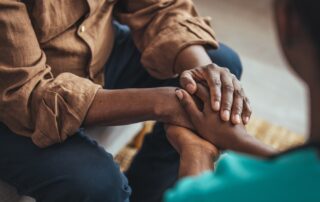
x=276, y=94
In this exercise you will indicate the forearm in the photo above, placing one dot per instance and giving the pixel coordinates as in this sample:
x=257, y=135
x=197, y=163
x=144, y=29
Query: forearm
x=117, y=107
x=196, y=154
x=191, y=57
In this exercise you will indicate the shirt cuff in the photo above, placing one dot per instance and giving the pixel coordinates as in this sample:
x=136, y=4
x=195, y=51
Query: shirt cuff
x=63, y=105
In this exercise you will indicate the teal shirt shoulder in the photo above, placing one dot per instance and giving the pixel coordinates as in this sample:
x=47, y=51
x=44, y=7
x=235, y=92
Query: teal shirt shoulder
x=294, y=176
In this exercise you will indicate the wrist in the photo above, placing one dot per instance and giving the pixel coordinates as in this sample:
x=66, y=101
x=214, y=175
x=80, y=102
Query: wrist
x=239, y=137
x=247, y=143
x=163, y=98
x=190, y=57
x=196, y=162
x=200, y=152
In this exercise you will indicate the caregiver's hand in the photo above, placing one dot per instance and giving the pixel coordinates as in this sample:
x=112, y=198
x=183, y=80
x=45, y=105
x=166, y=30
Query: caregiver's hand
x=227, y=95
x=222, y=134
x=196, y=154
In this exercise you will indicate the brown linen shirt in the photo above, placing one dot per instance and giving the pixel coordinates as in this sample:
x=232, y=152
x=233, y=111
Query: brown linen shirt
x=52, y=55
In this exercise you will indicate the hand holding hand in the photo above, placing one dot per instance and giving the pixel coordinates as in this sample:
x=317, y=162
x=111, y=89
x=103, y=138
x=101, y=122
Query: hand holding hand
x=168, y=108
x=207, y=122
x=222, y=134
x=226, y=92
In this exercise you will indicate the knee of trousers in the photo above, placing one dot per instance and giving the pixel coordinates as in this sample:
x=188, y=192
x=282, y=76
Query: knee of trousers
x=227, y=57
x=99, y=180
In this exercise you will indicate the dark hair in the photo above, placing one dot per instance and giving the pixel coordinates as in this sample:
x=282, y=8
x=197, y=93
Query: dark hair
x=309, y=11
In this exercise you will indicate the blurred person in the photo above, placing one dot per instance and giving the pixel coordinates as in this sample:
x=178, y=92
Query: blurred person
x=261, y=174
x=55, y=56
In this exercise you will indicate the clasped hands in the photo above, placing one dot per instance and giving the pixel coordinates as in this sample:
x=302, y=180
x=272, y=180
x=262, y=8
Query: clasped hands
x=217, y=108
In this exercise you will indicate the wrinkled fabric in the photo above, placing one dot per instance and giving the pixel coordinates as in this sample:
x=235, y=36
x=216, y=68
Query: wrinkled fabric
x=52, y=55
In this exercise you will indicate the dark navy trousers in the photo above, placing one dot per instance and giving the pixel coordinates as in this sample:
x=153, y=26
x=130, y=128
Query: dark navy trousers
x=79, y=169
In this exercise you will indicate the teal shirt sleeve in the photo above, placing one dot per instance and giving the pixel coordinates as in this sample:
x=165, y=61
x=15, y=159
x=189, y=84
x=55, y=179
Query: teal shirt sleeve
x=222, y=185
x=245, y=178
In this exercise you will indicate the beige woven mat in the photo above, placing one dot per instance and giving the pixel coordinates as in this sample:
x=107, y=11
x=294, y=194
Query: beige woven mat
x=276, y=136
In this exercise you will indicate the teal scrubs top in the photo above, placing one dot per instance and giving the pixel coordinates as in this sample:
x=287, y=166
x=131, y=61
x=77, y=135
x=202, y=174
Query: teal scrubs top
x=292, y=176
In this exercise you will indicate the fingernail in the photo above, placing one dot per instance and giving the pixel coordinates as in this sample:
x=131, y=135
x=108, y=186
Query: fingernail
x=237, y=118
x=190, y=88
x=179, y=94
x=246, y=119
x=226, y=115
x=216, y=105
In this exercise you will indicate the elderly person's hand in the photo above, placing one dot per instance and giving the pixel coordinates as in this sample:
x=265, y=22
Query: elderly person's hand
x=227, y=95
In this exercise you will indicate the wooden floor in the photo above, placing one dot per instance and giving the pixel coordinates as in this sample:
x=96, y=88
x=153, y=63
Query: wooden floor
x=247, y=26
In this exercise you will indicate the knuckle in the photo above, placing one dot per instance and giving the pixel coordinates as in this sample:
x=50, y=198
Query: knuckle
x=238, y=93
x=217, y=98
x=237, y=109
x=226, y=70
x=197, y=69
x=226, y=105
x=184, y=75
x=206, y=70
x=211, y=66
x=209, y=69
x=208, y=65
x=184, y=79
x=185, y=72
x=228, y=88
x=216, y=82
x=216, y=94
x=227, y=74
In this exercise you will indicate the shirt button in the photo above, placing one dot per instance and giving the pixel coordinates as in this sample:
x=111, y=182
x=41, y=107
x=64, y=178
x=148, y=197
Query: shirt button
x=82, y=28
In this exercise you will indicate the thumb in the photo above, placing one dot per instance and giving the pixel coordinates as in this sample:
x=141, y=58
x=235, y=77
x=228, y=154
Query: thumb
x=189, y=105
x=187, y=82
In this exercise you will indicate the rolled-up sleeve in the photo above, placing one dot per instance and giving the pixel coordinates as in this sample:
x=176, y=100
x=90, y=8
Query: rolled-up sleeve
x=162, y=28
x=33, y=103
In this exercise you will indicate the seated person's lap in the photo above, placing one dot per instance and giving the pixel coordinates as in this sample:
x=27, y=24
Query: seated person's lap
x=71, y=171
x=79, y=168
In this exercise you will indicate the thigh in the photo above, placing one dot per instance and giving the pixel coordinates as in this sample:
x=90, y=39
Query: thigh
x=124, y=68
x=76, y=170
x=154, y=169
x=226, y=57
